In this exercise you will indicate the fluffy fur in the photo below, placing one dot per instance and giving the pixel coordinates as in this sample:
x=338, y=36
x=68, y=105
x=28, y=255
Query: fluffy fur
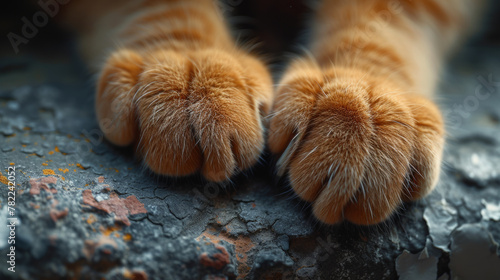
x=352, y=122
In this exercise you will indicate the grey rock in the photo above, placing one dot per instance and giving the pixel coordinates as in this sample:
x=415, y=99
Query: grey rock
x=474, y=254
x=416, y=266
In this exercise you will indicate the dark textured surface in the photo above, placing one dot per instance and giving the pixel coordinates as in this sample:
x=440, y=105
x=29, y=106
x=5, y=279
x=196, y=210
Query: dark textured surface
x=132, y=224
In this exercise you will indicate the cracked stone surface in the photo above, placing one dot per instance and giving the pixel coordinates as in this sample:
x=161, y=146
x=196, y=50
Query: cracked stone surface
x=88, y=210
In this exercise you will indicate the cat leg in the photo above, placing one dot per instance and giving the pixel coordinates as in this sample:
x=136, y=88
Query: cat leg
x=175, y=84
x=353, y=121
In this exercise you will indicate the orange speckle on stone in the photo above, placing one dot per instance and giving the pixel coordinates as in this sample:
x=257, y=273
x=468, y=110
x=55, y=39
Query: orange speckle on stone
x=12, y=163
x=117, y=235
x=23, y=145
x=74, y=170
x=127, y=237
x=64, y=179
x=26, y=128
x=57, y=149
x=64, y=170
x=80, y=166
x=35, y=206
x=91, y=219
x=108, y=231
x=51, y=152
x=45, y=164
x=48, y=172
x=4, y=180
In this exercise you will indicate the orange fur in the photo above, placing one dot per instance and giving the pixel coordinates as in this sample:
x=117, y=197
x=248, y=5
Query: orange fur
x=352, y=121
x=176, y=85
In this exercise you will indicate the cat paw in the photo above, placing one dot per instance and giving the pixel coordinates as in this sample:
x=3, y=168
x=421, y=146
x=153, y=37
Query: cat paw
x=354, y=146
x=195, y=111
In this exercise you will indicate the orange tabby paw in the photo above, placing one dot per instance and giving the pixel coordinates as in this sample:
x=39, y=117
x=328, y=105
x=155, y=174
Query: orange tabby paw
x=352, y=144
x=186, y=112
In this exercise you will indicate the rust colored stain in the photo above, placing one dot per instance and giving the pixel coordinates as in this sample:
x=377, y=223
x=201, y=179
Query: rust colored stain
x=55, y=214
x=134, y=205
x=217, y=260
x=242, y=244
x=122, y=208
x=42, y=183
x=90, y=245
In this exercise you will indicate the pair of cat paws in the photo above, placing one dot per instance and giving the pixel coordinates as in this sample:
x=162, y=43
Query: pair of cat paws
x=352, y=144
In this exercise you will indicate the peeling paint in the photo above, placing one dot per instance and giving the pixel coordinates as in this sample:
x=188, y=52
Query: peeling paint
x=38, y=184
x=120, y=207
x=441, y=219
x=416, y=266
x=491, y=211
